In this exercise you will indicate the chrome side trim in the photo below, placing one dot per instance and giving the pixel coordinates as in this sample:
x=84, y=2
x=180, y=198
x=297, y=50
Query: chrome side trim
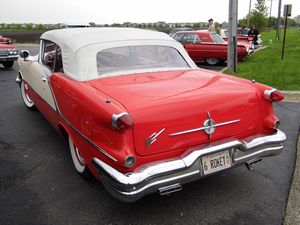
x=151, y=177
x=87, y=140
x=205, y=127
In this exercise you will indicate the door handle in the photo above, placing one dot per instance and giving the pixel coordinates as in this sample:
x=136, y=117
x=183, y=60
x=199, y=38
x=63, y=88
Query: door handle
x=44, y=79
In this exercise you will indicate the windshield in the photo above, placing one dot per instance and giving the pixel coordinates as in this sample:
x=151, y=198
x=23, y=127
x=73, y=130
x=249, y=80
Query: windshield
x=130, y=58
x=217, y=38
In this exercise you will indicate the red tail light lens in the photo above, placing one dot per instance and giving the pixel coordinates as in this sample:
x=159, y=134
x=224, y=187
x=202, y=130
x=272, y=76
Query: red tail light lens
x=273, y=95
x=122, y=121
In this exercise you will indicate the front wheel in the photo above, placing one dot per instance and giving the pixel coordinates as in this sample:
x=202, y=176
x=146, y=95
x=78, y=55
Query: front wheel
x=8, y=64
x=212, y=61
x=25, y=97
x=78, y=161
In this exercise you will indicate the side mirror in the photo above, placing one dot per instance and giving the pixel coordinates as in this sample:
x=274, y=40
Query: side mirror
x=24, y=54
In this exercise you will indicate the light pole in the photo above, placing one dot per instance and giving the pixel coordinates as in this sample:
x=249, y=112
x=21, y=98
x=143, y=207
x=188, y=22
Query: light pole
x=232, y=36
x=278, y=20
x=270, y=14
x=249, y=13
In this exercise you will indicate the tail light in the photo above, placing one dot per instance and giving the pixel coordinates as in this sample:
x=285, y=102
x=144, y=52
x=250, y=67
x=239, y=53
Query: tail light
x=122, y=121
x=273, y=95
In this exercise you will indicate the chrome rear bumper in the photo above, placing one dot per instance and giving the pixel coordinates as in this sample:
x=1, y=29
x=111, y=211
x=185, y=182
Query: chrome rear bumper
x=170, y=175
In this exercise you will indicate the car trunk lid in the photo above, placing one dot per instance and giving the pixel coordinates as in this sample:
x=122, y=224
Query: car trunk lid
x=171, y=109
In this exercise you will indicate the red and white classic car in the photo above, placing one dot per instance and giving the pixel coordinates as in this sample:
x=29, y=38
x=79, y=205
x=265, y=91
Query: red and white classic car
x=140, y=115
x=209, y=46
x=8, y=54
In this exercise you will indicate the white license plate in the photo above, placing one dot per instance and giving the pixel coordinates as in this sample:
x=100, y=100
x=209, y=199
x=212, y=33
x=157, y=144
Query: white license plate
x=216, y=162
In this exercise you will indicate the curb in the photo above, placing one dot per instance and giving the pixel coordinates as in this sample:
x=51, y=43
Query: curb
x=292, y=213
x=291, y=96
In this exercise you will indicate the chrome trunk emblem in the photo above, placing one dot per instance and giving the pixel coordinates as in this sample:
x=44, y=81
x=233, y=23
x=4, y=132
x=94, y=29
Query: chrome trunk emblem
x=153, y=137
x=209, y=127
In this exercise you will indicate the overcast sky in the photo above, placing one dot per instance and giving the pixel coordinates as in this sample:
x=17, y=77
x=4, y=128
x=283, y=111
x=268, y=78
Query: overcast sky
x=119, y=11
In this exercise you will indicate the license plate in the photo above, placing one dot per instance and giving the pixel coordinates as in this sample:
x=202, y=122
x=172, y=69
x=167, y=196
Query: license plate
x=216, y=162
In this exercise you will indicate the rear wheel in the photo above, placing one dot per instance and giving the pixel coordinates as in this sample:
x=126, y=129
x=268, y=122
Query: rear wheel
x=78, y=161
x=25, y=97
x=212, y=61
x=8, y=64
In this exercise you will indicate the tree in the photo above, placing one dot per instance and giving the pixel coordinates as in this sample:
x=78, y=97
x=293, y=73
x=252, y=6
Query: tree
x=257, y=17
x=39, y=26
x=18, y=26
x=92, y=24
x=261, y=7
x=258, y=20
x=28, y=26
x=196, y=26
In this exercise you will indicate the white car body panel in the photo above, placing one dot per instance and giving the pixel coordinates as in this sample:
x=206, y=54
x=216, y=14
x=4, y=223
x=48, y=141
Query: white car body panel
x=36, y=75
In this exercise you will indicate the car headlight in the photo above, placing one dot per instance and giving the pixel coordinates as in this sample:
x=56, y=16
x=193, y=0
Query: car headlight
x=12, y=51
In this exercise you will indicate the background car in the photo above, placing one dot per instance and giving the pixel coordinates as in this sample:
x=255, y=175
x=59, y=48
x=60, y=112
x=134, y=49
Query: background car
x=240, y=38
x=8, y=54
x=4, y=40
x=244, y=33
x=208, y=46
x=139, y=115
x=175, y=30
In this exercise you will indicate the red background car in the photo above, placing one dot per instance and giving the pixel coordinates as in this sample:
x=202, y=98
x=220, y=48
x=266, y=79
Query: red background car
x=208, y=46
x=4, y=40
x=8, y=54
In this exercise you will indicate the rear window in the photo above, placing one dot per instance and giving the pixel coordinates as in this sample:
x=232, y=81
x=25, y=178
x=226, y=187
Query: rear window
x=130, y=58
x=217, y=38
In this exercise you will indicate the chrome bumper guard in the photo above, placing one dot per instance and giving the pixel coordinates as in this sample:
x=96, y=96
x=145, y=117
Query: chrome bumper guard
x=164, y=175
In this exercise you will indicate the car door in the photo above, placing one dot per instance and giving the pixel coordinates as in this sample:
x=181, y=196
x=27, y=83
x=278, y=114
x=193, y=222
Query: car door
x=38, y=72
x=192, y=45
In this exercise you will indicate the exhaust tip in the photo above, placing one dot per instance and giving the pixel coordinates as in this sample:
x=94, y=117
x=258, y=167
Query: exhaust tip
x=170, y=189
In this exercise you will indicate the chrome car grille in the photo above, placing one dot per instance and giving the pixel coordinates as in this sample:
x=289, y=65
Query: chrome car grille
x=4, y=53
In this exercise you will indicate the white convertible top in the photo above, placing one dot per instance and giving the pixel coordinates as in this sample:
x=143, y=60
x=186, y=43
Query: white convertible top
x=80, y=46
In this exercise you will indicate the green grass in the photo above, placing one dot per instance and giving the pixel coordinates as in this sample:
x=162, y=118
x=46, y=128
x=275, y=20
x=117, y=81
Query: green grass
x=266, y=66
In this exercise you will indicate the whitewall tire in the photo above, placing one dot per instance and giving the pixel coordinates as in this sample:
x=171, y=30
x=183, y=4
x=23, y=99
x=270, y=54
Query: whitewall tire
x=78, y=160
x=212, y=61
x=25, y=97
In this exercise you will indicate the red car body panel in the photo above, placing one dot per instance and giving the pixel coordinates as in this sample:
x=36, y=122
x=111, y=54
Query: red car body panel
x=240, y=39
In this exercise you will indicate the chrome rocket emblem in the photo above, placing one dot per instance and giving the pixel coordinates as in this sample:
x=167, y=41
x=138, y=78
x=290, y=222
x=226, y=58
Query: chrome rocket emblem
x=153, y=137
x=209, y=127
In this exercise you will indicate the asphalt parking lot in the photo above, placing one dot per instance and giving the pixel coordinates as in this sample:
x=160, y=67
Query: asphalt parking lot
x=38, y=184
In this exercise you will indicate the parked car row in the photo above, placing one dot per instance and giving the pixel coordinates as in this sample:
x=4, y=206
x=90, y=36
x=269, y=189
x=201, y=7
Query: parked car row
x=138, y=113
